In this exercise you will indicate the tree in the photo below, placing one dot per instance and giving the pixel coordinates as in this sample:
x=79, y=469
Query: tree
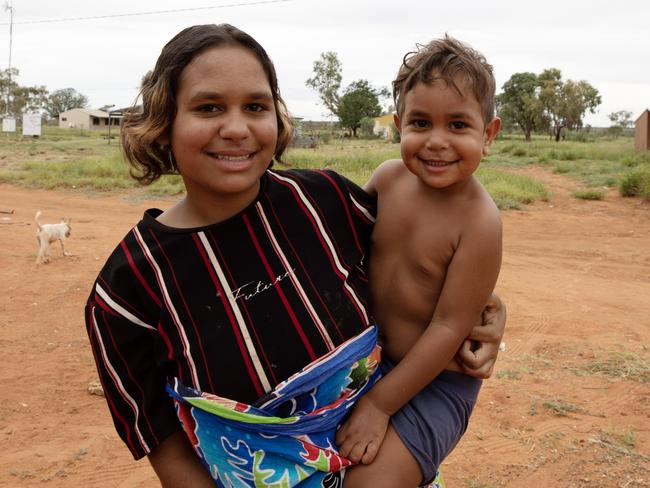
x=620, y=120
x=367, y=128
x=519, y=103
x=64, y=99
x=359, y=100
x=565, y=103
x=327, y=80
x=16, y=99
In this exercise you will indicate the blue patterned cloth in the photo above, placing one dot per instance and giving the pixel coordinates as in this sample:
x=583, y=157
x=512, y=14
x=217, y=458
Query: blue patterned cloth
x=287, y=438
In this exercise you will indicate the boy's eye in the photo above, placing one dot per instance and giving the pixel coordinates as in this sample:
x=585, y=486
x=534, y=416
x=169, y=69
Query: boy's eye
x=458, y=125
x=420, y=124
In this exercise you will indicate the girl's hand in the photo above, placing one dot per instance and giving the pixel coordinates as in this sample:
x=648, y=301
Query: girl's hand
x=363, y=432
x=478, y=353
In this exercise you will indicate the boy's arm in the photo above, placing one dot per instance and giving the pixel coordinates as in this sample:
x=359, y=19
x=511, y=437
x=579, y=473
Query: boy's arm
x=470, y=278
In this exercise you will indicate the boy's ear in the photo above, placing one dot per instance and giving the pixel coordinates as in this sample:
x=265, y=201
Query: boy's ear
x=491, y=131
x=398, y=123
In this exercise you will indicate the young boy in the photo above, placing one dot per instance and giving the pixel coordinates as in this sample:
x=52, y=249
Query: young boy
x=435, y=259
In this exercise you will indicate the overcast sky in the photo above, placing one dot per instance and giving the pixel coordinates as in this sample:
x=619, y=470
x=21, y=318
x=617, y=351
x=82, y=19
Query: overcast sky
x=603, y=42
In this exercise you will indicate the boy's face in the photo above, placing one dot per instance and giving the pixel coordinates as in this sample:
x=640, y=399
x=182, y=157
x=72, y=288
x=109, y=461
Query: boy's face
x=443, y=133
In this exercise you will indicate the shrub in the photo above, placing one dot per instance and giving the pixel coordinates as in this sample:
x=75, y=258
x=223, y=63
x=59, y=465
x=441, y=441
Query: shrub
x=589, y=194
x=638, y=159
x=636, y=183
x=562, y=169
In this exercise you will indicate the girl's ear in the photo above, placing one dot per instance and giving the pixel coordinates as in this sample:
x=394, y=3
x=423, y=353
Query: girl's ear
x=398, y=123
x=491, y=131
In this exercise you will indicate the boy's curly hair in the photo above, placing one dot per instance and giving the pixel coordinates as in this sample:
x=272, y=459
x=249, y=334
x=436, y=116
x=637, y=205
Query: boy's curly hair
x=455, y=63
x=143, y=126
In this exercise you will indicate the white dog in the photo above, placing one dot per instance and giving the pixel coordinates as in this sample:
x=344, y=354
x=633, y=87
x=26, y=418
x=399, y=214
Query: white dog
x=47, y=234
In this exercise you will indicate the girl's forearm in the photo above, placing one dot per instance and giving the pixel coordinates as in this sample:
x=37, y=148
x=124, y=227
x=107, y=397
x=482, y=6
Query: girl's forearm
x=177, y=465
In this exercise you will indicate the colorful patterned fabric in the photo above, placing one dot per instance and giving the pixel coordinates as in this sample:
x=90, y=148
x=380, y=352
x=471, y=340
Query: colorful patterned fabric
x=287, y=438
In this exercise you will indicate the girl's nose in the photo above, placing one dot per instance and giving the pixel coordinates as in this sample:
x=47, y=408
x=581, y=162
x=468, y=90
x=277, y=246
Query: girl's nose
x=234, y=126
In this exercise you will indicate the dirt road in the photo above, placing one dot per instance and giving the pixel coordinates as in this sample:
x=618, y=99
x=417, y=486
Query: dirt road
x=569, y=405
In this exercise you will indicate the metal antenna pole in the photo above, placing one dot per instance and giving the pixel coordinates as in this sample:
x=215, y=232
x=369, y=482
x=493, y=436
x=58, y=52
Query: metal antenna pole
x=11, y=31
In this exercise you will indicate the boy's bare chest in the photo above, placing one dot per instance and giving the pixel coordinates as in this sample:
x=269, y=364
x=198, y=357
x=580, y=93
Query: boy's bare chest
x=412, y=246
x=419, y=237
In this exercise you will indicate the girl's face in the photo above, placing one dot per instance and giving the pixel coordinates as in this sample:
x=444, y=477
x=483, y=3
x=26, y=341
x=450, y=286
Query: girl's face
x=225, y=130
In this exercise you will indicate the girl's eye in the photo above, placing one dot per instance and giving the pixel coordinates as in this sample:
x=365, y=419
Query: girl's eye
x=256, y=107
x=208, y=107
x=457, y=125
x=420, y=124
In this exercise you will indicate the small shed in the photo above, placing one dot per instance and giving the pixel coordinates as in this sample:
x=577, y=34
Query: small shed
x=642, y=132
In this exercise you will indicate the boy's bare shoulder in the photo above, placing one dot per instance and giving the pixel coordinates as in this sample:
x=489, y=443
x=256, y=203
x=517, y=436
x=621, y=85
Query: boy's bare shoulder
x=389, y=170
x=485, y=213
x=384, y=175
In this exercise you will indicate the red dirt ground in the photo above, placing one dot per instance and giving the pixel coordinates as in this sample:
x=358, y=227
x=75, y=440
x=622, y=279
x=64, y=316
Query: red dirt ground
x=575, y=276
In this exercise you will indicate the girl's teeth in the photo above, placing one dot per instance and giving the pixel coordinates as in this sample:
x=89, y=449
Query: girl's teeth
x=233, y=158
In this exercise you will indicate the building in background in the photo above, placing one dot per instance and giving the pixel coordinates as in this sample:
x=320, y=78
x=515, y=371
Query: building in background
x=84, y=118
x=642, y=132
x=384, y=126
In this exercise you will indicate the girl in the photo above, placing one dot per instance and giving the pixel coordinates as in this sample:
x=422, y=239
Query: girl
x=250, y=277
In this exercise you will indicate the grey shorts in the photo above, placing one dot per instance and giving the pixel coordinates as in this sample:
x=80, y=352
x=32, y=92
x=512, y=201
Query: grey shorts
x=433, y=422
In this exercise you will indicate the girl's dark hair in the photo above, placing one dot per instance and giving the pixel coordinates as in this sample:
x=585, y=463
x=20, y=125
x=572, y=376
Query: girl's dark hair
x=452, y=61
x=143, y=127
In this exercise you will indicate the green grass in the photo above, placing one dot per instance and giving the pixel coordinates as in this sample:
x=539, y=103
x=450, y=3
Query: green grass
x=559, y=407
x=476, y=483
x=511, y=191
x=509, y=374
x=356, y=159
x=624, y=365
x=594, y=161
x=588, y=194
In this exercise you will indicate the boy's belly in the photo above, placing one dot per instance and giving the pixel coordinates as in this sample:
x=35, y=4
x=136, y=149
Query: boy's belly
x=403, y=303
x=398, y=338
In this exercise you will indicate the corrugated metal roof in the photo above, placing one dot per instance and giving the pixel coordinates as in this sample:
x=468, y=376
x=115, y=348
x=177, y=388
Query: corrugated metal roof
x=94, y=113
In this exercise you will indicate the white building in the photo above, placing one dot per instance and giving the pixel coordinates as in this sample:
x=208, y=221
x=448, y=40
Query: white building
x=84, y=118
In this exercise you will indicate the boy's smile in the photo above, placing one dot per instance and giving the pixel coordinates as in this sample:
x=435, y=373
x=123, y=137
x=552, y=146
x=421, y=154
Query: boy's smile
x=443, y=133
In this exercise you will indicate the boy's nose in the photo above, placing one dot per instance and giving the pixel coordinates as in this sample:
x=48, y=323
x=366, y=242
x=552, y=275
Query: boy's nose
x=234, y=126
x=437, y=140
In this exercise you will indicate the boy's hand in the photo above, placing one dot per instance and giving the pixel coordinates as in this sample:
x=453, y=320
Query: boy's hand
x=363, y=432
x=478, y=353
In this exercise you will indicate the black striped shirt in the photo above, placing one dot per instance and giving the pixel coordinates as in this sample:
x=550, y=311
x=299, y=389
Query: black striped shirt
x=232, y=308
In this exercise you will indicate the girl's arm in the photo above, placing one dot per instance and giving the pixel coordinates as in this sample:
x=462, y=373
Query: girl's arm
x=478, y=354
x=177, y=465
